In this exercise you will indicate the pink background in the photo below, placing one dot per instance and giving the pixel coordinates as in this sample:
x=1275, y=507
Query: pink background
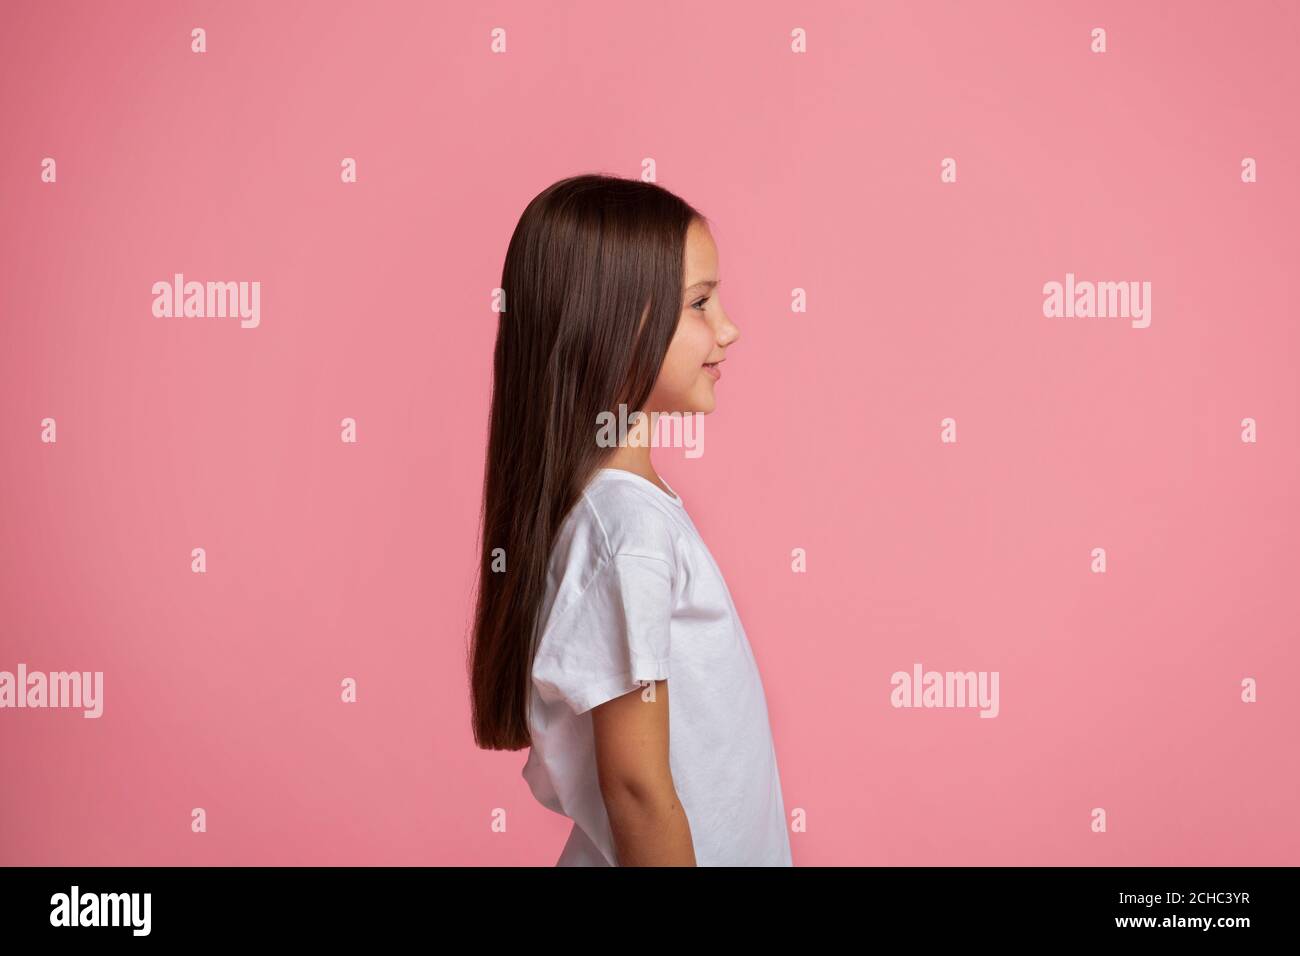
x=820, y=171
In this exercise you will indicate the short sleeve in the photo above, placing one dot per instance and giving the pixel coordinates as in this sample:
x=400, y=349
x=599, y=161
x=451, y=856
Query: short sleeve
x=613, y=637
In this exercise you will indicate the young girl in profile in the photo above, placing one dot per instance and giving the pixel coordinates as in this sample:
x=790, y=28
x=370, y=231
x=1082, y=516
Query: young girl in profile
x=605, y=638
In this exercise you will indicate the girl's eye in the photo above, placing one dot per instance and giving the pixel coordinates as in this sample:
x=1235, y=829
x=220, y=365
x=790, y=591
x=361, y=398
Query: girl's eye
x=699, y=302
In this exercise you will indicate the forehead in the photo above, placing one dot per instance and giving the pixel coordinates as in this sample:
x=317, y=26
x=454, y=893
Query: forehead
x=701, y=255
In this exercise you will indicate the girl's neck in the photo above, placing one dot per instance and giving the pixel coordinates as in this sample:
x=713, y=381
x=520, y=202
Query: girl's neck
x=634, y=456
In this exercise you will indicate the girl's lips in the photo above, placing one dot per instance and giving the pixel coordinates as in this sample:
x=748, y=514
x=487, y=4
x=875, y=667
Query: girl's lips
x=714, y=370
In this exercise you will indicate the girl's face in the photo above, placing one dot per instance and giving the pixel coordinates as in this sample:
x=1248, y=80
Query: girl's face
x=686, y=380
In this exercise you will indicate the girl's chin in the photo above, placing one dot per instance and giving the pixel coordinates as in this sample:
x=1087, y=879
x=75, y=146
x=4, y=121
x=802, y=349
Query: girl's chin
x=704, y=405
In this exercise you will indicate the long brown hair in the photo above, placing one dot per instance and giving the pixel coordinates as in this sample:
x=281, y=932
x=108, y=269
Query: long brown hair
x=592, y=294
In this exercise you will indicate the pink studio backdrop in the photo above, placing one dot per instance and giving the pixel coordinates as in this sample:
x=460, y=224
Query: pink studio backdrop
x=821, y=171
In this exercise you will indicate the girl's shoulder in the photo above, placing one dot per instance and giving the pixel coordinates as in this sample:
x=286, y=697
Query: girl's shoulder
x=621, y=517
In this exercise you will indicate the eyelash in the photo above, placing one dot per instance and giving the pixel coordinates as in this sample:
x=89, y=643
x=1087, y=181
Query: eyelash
x=700, y=301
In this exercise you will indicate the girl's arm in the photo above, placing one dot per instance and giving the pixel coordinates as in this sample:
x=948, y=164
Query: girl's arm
x=649, y=825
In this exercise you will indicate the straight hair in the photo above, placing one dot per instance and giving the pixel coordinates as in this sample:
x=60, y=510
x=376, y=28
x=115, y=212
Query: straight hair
x=592, y=287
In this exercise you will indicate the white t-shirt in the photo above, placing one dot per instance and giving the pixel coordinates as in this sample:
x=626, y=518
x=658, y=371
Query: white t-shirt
x=634, y=595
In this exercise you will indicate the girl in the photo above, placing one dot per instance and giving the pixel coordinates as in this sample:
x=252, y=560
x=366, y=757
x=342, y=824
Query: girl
x=603, y=622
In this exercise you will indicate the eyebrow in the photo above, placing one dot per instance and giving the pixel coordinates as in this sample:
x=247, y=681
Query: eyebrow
x=706, y=284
